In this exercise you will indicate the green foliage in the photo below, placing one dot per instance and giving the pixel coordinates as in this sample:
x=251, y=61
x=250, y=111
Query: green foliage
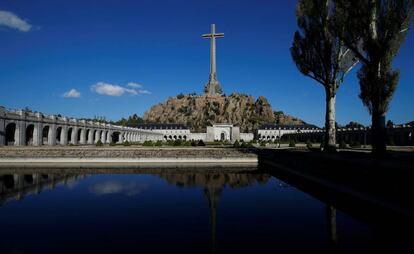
x=158, y=143
x=193, y=143
x=355, y=144
x=177, y=142
x=319, y=53
x=201, y=143
x=112, y=144
x=236, y=144
x=376, y=29
x=148, y=143
x=131, y=121
x=126, y=143
x=390, y=141
x=342, y=145
x=99, y=143
x=309, y=144
x=390, y=124
x=263, y=143
x=354, y=125
x=292, y=143
x=246, y=145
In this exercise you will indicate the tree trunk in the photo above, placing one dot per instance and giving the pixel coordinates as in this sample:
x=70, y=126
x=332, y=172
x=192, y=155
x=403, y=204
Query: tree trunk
x=330, y=129
x=378, y=134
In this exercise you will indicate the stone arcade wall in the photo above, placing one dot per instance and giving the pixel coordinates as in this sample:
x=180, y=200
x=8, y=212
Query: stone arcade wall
x=400, y=135
x=21, y=127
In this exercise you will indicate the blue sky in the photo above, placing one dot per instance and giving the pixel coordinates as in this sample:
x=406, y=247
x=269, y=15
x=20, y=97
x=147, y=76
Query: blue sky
x=153, y=49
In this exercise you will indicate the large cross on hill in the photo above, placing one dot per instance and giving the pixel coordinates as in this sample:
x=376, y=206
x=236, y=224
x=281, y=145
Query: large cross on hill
x=213, y=86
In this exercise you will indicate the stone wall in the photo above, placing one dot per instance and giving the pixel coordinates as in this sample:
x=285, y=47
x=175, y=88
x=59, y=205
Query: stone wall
x=122, y=152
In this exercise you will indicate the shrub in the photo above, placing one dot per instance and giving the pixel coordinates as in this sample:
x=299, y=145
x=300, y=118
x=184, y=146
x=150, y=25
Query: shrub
x=355, y=144
x=193, y=143
x=391, y=141
x=99, y=143
x=342, y=144
x=201, y=143
x=112, y=144
x=126, y=143
x=246, y=145
x=177, y=142
x=187, y=143
x=148, y=143
x=158, y=143
x=236, y=144
x=292, y=143
x=263, y=143
x=308, y=144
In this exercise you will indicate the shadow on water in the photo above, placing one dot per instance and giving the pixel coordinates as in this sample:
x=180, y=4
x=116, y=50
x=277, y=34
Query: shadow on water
x=17, y=184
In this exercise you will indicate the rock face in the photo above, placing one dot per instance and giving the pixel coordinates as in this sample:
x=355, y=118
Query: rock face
x=198, y=112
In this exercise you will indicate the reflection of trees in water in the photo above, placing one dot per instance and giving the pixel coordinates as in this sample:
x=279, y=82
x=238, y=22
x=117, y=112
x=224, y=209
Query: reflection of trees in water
x=17, y=186
x=332, y=229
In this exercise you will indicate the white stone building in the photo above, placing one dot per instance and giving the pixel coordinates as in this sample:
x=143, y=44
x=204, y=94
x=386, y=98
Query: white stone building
x=223, y=132
x=169, y=131
x=273, y=132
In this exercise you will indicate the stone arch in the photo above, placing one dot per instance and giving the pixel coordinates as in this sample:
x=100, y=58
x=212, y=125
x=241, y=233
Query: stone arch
x=70, y=138
x=170, y=137
x=180, y=137
x=11, y=134
x=45, y=134
x=93, y=136
x=79, y=136
x=223, y=136
x=59, y=134
x=30, y=129
x=115, y=137
x=175, y=137
x=185, y=137
x=87, y=137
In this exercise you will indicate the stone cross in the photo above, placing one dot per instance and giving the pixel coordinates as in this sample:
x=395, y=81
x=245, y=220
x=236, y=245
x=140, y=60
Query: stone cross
x=213, y=86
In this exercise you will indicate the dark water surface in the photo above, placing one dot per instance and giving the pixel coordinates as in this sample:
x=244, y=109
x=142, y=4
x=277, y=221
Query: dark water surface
x=194, y=211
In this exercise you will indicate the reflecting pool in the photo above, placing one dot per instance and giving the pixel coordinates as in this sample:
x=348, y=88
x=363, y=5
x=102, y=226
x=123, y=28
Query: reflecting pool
x=175, y=211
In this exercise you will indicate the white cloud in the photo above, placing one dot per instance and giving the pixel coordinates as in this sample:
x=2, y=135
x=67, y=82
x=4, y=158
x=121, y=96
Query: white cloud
x=11, y=20
x=72, y=93
x=107, y=89
x=134, y=85
x=104, y=88
x=144, y=92
x=114, y=187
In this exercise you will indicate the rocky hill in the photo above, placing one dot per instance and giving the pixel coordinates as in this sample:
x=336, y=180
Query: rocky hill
x=198, y=112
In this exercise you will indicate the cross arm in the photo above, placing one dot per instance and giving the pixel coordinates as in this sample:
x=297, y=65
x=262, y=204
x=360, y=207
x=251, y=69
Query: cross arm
x=218, y=35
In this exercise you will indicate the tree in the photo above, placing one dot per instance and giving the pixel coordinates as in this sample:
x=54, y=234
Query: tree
x=375, y=31
x=321, y=55
x=354, y=125
x=390, y=124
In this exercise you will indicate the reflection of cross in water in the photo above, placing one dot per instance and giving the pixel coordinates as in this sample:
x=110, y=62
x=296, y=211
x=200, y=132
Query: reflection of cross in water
x=213, y=194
